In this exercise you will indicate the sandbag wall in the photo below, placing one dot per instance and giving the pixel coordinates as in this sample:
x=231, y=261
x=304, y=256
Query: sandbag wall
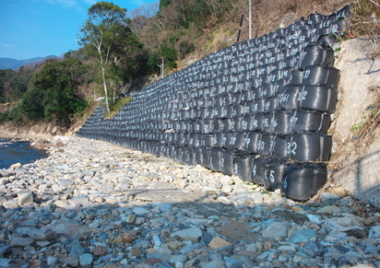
x=259, y=109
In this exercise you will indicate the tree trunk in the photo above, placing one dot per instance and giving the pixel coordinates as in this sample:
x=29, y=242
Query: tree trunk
x=105, y=86
x=101, y=61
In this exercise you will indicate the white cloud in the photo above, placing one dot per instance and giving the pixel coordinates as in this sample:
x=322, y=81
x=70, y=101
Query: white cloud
x=7, y=45
x=91, y=2
x=68, y=3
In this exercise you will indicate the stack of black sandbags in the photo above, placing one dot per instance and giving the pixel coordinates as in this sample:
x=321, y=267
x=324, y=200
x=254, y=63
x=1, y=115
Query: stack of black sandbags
x=259, y=109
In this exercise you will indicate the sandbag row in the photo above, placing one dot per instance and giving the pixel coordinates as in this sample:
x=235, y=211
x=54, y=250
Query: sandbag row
x=259, y=109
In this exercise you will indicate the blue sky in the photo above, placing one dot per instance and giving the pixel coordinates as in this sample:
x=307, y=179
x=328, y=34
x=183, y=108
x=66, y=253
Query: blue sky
x=39, y=28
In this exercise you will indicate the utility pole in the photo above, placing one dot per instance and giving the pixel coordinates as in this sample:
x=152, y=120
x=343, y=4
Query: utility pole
x=162, y=67
x=250, y=19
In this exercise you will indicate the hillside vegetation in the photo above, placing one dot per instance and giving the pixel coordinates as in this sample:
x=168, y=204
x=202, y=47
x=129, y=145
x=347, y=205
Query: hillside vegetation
x=121, y=53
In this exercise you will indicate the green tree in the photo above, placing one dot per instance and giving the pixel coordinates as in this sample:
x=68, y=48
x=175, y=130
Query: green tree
x=107, y=37
x=32, y=105
x=164, y=3
x=54, y=95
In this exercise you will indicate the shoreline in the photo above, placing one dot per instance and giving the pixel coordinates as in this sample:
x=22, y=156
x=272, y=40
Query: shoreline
x=41, y=132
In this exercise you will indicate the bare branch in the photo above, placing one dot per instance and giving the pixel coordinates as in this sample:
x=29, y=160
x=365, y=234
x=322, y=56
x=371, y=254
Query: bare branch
x=376, y=4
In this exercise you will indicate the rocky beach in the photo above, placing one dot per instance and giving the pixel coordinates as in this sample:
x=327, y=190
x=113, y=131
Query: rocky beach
x=94, y=204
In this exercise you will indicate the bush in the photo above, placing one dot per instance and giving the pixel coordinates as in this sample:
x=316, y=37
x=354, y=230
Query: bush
x=117, y=106
x=364, y=18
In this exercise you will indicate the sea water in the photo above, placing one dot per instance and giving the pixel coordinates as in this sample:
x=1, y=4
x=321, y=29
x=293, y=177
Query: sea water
x=17, y=151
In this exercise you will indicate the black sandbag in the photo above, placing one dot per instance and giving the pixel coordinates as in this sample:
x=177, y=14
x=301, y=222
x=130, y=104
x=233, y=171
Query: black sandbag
x=232, y=87
x=254, y=73
x=247, y=123
x=210, y=112
x=220, y=125
x=215, y=158
x=247, y=106
x=204, y=112
x=296, y=77
x=231, y=140
x=186, y=114
x=271, y=104
x=274, y=174
x=170, y=137
x=209, y=102
x=208, y=126
x=291, y=61
x=217, y=125
x=198, y=156
x=256, y=93
x=237, y=123
x=308, y=120
x=337, y=27
x=258, y=170
x=251, y=142
x=189, y=156
x=205, y=161
x=197, y=139
x=314, y=18
x=240, y=111
x=268, y=122
x=327, y=40
x=320, y=76
x=326, y=30
x=197, y=126
x=281, y=123
x=208, y=140
x=237, y=98
x=222, y=111
x=266, y=144
x=257, y=82
x=344, y=12
x=316, y=55
x=165, y=150
x=231, y=111
x=220, y=101
x=221, y=139
x=279, y=148
x=247, y=95
x=215, y=113
x=257, y=122
x=287, y=99
x=267, y=79
x=309, y=147
x=230, y=125
x=258, y=106
x=182, y=139
x=178, y=154
x=285, y=74
x=304, y=181
x=279, y=85
x=239, y=142
x=243, y=167
x=191, y=140
x=227, y=162
x=319, y=98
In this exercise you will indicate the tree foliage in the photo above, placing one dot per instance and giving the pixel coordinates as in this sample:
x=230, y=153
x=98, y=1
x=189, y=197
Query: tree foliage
x=107, y=38
x=54, y=95
x=13, y=84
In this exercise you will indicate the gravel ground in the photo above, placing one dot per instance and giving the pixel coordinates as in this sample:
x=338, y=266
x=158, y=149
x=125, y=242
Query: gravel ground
x=94, y=204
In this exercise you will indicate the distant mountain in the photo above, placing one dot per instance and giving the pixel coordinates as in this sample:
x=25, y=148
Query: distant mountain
x=7, y=63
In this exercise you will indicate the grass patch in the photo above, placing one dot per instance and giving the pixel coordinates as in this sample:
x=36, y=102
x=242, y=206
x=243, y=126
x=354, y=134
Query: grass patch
x=364, y=18
x=116, y=106
x=371, y=119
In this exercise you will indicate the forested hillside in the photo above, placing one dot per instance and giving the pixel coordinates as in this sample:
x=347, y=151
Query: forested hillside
x=122, y=51
x=7, y=63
